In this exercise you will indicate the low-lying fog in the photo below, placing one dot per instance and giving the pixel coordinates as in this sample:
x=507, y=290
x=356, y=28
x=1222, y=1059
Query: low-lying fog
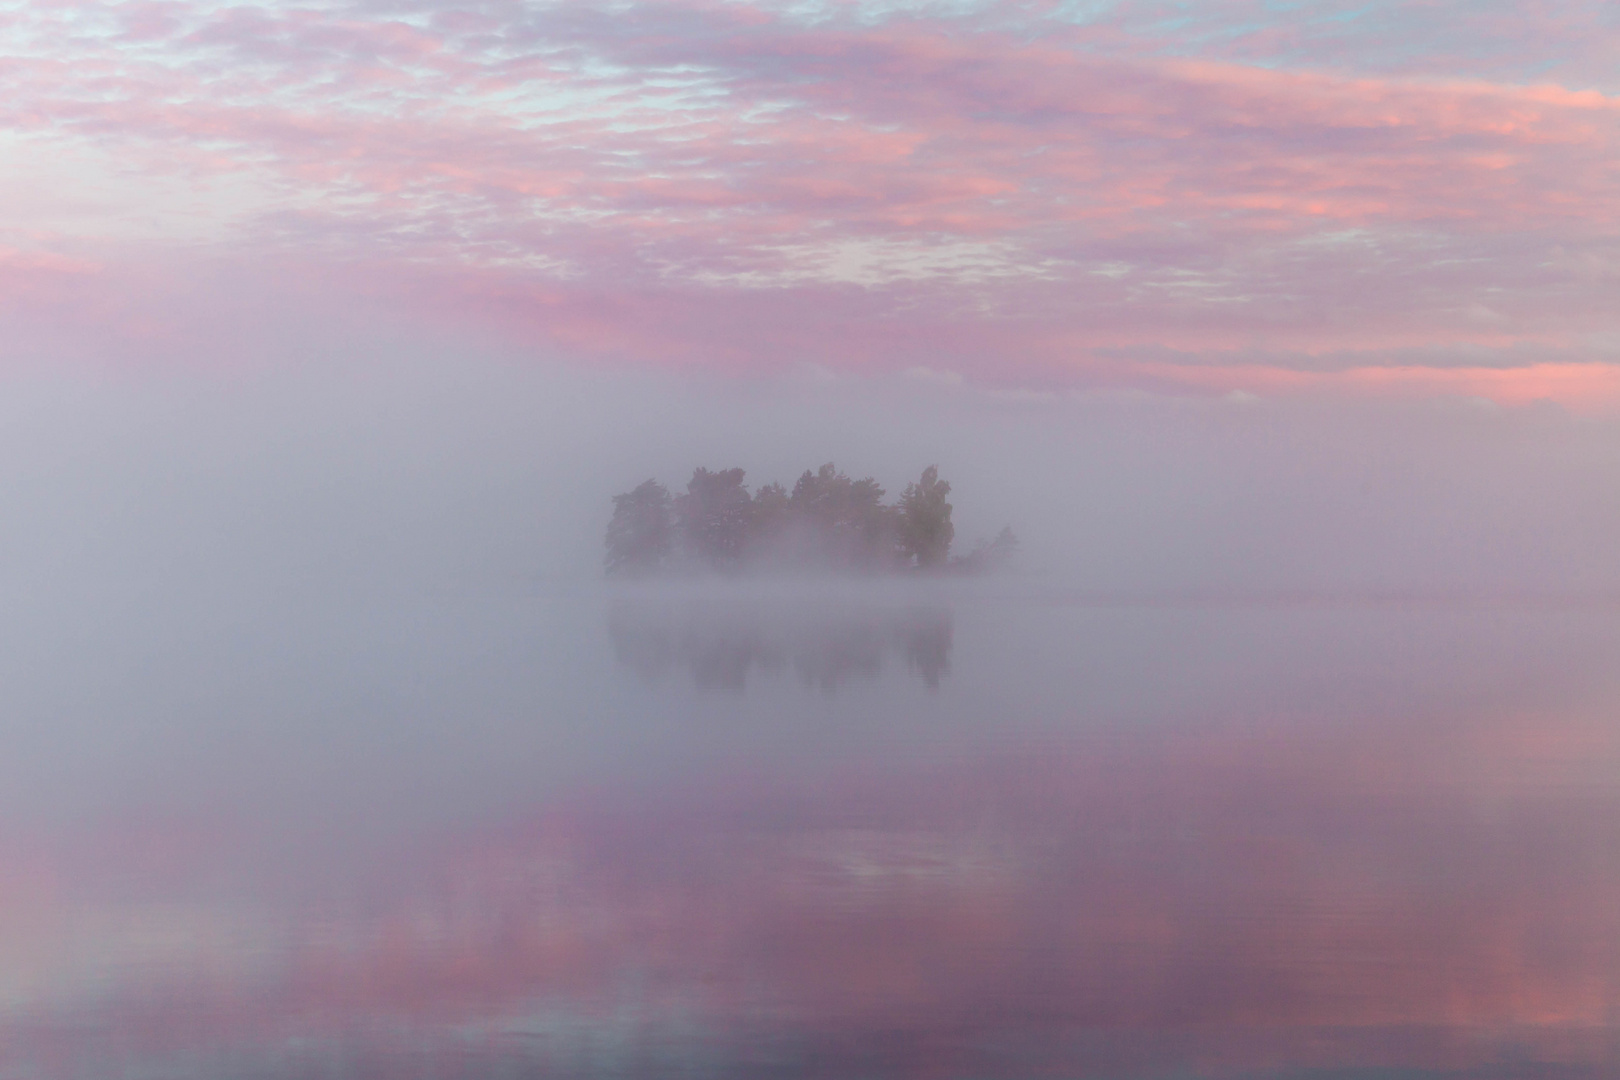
x=369, y=584
x=418, y=476
x=330, y=751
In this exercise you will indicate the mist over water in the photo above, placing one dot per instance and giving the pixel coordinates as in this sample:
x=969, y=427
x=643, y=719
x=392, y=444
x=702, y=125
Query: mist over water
x=478, y=487
x=1288, y=747
x=826, y=644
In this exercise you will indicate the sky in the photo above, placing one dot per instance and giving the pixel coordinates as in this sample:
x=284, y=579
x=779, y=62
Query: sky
x=1355, y=199
x=1213, y=295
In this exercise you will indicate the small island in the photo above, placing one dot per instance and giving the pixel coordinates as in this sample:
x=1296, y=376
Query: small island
x=828, y=523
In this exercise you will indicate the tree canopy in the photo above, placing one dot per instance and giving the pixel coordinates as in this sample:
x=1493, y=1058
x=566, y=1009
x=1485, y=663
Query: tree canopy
x=641, y=534
x=926, y=531
x=826, y=522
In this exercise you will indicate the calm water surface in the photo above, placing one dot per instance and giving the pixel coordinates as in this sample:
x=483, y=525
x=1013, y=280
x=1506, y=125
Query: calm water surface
x=818, y=833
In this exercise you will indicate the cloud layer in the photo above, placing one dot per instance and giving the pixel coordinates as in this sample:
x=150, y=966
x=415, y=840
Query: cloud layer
x=1204, y=199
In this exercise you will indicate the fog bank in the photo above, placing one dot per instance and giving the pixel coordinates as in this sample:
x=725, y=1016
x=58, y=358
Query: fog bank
x=426, y=473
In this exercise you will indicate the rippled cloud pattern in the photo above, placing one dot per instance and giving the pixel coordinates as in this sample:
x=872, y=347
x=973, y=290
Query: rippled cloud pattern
x=1209, y=197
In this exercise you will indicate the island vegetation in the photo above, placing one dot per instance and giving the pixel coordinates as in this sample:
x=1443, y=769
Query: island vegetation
x=826, y=523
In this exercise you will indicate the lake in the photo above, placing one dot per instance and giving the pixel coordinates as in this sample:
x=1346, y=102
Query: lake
x=974, y=830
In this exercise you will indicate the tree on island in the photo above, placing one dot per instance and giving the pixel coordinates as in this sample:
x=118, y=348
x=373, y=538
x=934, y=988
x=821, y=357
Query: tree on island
x=640, y=536
x=926, y=531
x=827, y=522
x=771, y=518
x=842, y=522
x=714, y=516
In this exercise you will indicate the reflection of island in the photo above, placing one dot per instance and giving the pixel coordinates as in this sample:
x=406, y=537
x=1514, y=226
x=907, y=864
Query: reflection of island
x=825, y=646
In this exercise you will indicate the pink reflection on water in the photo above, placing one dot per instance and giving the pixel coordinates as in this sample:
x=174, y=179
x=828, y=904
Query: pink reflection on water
x=1226, y=899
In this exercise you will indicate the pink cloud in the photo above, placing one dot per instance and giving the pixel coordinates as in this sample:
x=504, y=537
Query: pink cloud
x=1058, y=206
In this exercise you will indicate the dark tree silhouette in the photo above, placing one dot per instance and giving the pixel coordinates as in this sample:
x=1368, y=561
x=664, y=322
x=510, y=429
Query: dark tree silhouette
x=714, y=516
x=926, y=531
x=771, y=520
x=843, y=522
x=641, y=532
x=827, y=522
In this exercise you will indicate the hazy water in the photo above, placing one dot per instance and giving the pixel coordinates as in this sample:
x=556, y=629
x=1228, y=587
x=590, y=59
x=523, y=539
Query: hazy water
x=850, y=832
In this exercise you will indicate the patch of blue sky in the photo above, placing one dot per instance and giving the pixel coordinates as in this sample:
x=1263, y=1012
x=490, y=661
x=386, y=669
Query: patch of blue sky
x=1450, y=38
x=602, y=89
x=1084, y=11
x=1490, y=38
x=575, y=87
x=1184, y=28
x=873, y=12
x=652, y=106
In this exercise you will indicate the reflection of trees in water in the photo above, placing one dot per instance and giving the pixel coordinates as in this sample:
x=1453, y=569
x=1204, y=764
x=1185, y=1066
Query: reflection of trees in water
x=825, y=647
